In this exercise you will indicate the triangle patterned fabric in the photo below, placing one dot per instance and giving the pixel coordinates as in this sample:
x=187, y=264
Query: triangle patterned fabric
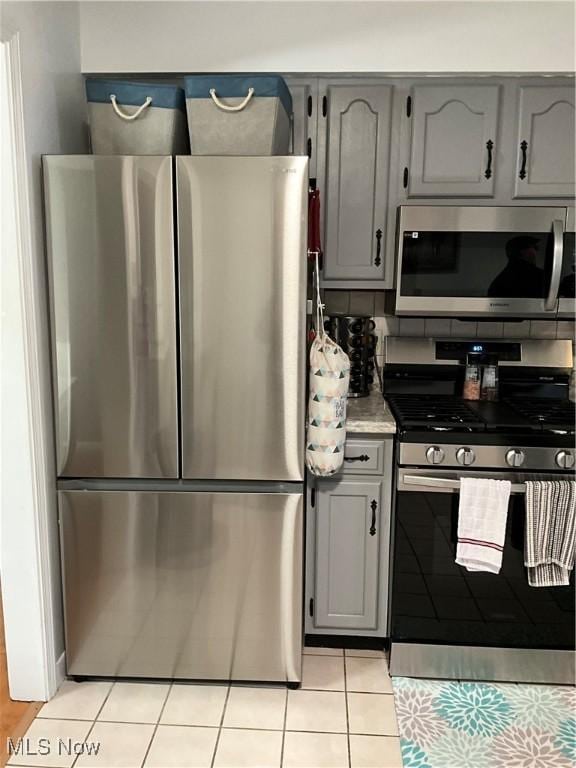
x=329, y=379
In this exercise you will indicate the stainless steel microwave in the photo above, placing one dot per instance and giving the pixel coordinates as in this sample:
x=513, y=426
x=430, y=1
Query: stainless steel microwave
x=463, y=261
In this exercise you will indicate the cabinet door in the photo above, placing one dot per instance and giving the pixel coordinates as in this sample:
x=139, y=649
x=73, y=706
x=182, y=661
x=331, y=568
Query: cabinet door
x=545, y=163
x=356, y=156
x=454, y=135
x=347, y=554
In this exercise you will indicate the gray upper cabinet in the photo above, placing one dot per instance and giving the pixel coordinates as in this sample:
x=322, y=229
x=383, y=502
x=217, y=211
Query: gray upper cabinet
x=545, y=150
x=353, y=151
x=377, y=143
x=347, y=554
x=454, y=140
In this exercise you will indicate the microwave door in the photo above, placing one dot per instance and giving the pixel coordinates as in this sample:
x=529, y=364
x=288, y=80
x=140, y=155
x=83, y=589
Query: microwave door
x=567, y=284
x=472, y=261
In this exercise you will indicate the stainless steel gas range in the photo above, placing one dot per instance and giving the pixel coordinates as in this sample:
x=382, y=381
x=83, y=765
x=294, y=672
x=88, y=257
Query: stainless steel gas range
x=445, y=621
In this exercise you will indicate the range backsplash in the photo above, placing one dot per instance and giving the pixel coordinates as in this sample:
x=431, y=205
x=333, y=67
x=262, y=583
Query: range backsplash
x=380, y=305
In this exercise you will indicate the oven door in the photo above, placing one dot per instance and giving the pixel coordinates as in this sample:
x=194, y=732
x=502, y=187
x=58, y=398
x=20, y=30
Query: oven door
x=474, y=261
x=567, y=286
x=438, y=602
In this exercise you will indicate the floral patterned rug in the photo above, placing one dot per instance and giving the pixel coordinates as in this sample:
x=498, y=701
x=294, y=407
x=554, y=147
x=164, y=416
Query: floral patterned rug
x=485, y=725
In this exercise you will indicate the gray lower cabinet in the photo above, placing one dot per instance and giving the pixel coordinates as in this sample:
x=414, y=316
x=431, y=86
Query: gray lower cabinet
x=347, y=524
x=353, y=155
x=348, y=544
x=545, y=151
x=453, y=140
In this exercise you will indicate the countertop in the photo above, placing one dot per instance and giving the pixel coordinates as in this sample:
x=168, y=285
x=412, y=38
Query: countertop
x=369, y=415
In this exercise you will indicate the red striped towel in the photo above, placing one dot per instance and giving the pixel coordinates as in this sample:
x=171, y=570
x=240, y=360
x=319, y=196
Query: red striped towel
x=482, y=516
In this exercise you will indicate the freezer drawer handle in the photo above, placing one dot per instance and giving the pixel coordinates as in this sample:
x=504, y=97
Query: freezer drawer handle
x=373, y=507
x=228, y=107
x=362, y=457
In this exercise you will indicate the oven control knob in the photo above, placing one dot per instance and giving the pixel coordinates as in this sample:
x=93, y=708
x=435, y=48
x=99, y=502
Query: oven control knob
x=465, y=456
x=435, y=455
x=565, y=459
x=515, y=458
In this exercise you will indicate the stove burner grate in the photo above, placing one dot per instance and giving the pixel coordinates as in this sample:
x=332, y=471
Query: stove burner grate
x=434, y=413
x=548, y=414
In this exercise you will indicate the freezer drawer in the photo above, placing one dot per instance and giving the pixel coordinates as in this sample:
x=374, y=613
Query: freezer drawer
x=242, y=272
x=111, y=266
x=197, y=585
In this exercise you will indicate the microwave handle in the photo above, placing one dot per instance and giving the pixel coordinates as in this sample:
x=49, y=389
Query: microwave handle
x=558, y=235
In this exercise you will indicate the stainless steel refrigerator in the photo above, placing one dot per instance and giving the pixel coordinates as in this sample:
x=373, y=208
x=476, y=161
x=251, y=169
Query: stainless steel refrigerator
x=177, y=295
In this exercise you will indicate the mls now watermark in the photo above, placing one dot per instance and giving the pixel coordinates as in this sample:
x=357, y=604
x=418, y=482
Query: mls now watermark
x=42, y=747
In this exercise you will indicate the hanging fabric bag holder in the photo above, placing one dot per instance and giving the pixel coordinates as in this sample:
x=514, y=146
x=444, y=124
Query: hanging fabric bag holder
x=329, y=380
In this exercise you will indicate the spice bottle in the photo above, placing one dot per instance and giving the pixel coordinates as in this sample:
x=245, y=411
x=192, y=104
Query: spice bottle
x=489, y=389
x=472, y=378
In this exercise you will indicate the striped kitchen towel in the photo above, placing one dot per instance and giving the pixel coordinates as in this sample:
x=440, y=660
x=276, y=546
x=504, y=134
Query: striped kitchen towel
x=550, y=532
x=482, y=516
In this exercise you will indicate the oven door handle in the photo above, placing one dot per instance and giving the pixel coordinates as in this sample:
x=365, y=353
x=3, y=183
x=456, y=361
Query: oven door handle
x=558, y=236
x=446, y=482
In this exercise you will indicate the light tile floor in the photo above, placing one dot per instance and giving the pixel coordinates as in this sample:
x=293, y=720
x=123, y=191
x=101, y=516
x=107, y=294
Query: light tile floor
x=342, y=716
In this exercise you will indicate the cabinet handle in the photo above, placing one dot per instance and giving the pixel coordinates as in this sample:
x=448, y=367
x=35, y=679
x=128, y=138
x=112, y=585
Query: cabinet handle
x=489, y=147
x=373, y=507
x=309, y=106
x=362, y=457
x=309, y=148
x=378, y=260
x=523, y=148
x=405, y=178
x=324, y=106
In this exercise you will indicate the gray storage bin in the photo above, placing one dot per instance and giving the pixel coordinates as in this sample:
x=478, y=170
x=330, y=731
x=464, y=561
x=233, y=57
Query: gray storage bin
x=238, y=115
x=136, y=118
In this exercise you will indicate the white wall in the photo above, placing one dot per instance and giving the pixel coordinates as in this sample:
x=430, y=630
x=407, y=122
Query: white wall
x=309, y=37
x=53, y=112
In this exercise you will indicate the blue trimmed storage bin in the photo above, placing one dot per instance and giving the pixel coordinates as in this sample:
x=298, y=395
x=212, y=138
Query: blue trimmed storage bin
x=136, y=118
x=238, y=114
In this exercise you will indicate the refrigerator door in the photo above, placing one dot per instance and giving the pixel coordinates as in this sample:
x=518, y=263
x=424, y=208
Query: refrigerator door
x=242, y=271
x=183, y=584
x=112, y=277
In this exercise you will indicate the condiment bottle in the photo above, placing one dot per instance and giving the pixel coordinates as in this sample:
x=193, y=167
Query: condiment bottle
x=472, y=377
x=489, y=390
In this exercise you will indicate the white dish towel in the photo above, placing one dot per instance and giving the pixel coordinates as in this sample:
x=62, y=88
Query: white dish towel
x=550, y=532
x=482, y=516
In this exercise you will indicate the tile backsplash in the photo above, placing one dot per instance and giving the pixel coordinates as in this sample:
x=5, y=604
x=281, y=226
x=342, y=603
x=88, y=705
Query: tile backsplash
x=380, y=305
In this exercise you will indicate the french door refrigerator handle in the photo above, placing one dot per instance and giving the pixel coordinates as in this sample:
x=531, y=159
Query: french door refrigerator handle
x=558, y=235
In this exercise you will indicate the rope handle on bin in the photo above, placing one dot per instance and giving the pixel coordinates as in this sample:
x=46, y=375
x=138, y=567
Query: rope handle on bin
x=136, y=114
x=236, y=107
